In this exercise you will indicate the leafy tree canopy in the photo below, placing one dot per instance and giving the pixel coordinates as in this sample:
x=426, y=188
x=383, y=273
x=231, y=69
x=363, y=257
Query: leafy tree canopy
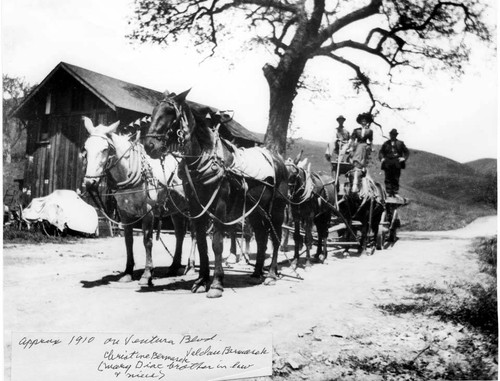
x=410, y=34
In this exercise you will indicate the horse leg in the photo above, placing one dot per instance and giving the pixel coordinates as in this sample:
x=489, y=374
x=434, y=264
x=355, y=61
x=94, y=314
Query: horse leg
x=276, y=224
x=248, y=238
x=363, y=239
x=191, y=260
x=261, y=240
x=216, y=288
x=203, y=282
x=147, y=231
x=233, y=257
x=297, y=238
x=321, y=223
x=128, y=233
x=247, y=234
x=180, y=231
x=308, y=240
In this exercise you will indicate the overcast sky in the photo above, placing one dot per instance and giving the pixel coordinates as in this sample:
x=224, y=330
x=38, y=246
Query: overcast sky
x=455, y=118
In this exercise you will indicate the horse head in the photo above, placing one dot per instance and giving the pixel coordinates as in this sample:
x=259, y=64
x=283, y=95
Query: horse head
x=296, y=174
x=98, y=149
x=169, y=128
x=356, y=176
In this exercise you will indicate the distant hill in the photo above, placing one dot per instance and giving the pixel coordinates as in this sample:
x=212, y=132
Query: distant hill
x=444, y=193
x=485, y=166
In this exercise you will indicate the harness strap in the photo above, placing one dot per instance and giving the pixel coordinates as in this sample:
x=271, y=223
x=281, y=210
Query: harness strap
x=212, y=198
x=205, y=208
x=100, y=206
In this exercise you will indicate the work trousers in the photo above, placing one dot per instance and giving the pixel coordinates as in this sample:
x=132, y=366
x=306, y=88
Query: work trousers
x=392, y=173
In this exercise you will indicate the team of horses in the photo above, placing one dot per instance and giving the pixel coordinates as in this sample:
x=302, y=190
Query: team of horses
x=185, y=169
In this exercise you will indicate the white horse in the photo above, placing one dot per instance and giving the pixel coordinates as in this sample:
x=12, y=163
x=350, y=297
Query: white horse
x=144, y=189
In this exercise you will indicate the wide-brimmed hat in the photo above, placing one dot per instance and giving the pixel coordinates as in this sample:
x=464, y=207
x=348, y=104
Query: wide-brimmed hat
x=364, y=116
x=393, y=132
x=340, y=117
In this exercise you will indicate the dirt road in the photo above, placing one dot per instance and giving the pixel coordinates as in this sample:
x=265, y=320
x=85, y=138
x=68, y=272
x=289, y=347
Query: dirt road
x=329, y=316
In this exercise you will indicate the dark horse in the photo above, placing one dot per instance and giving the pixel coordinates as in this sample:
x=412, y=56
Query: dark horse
x=364, y=201
x=218, y=185
x=312, y=199
x=140, y=190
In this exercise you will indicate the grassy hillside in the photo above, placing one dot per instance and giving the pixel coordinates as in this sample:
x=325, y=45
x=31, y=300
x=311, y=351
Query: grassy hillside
x=444, y=194
x=485, y=166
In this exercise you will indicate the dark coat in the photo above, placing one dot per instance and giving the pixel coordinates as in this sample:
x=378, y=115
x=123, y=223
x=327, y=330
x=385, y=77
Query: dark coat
x=392, y=153
x=357, y=135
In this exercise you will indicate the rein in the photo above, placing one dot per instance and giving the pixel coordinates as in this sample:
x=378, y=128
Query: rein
x=140, y=171
x=305, y=196
x=209, y=168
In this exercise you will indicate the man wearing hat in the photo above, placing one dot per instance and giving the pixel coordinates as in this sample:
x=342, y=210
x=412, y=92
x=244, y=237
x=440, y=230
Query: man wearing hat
x=339, y=144
x=362, y=138
x=393, y=155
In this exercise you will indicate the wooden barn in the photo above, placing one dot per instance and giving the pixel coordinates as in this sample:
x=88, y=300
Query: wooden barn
x=55, y=129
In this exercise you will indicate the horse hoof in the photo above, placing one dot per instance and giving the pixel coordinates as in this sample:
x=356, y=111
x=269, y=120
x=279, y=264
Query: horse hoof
x=199, y=286
x=125, y=279
x=190, y=271
x=270, y=281
x=214, y=293
x=146, y=281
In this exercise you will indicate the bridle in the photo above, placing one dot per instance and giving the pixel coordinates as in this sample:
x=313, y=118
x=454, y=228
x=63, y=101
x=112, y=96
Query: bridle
x=110, y=164
x=295, y=188
x=181, y=122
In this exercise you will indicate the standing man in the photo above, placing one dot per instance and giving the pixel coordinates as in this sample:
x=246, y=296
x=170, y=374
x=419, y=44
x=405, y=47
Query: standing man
x=393, y=155
x=339, y=145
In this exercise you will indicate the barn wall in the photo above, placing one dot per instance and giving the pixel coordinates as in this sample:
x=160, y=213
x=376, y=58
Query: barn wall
x=55, y=140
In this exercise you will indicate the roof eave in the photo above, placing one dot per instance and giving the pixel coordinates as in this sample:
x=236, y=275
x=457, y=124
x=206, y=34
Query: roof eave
x=89, y=87
x=28, y=98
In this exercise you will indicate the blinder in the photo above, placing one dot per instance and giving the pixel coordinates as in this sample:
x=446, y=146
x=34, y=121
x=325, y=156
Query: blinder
x=177, y=127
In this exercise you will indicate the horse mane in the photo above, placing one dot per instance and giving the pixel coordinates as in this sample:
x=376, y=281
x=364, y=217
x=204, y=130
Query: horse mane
x=370, y=189
x=203, y=131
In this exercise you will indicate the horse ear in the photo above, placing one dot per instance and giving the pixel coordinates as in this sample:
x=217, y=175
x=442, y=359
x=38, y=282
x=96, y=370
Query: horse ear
x=299, y=156
x=89, y=126
x=181, y=98
x=113, y=127
x=308, y=167
x=302, y=164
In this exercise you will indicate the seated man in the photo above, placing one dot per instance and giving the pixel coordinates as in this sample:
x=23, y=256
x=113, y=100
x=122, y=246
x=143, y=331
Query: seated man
x=338, y=150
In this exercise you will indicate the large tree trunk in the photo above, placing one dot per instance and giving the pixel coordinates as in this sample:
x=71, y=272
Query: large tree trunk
x=280, y=110
x=283, y=82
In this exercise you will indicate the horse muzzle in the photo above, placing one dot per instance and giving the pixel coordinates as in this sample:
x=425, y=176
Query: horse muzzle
x=153, y=147
x=90, y=182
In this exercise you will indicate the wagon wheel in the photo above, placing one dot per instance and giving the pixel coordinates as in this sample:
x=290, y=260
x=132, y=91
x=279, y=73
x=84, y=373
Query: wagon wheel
x=395, y=223
x=48, y=229
x=371, y=242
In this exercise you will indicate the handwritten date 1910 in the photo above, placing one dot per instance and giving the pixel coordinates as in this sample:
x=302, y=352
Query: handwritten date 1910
x=78, y=340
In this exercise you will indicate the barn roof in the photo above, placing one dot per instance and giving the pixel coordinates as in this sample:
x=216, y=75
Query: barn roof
x=120, y=94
